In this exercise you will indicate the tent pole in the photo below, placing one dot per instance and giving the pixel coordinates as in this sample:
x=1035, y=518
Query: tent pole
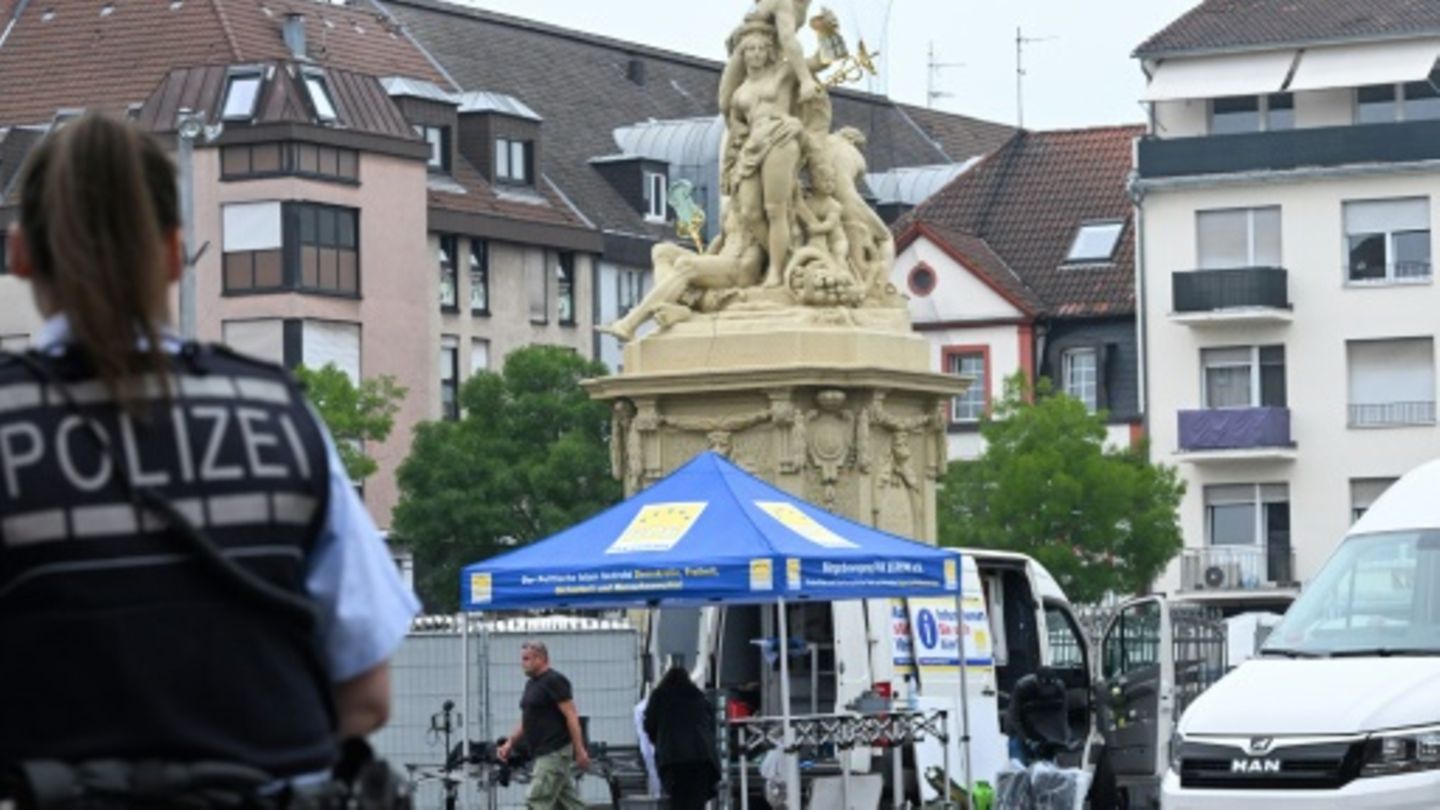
x=464, y=688
x=792, y=770
x=964, y=705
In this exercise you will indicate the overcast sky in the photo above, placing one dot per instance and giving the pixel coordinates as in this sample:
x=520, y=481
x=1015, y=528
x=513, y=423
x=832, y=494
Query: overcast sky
x=1079, y=74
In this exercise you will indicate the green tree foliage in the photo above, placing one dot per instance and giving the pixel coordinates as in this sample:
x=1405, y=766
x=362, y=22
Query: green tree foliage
x=354, y=414
x=529, y=457
x=1101, y=520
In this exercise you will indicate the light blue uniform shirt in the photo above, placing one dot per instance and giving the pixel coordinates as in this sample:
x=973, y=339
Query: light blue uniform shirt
x=364, y=608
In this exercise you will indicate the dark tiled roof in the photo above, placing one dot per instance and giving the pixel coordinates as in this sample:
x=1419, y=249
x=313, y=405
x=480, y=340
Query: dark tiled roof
x=1243, y=24
x=541, y=205
x=1025, y=203
x=78, y=58
x=959, y=135
x=578, y=83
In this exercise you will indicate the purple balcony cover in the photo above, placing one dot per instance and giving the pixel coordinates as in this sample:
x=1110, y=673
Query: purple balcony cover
x=1234, y=428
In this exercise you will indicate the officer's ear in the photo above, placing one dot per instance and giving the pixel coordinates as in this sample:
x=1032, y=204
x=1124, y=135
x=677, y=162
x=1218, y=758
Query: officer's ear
x=17, y=254
x=174, y=255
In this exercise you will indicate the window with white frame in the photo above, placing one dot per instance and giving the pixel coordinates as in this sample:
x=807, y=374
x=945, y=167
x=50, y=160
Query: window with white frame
x=1388, y=240
x=513, y=160
x=1244, y=377
x=969, y=406
x=479, y=355
x=1391, y=382
x=242, y=93
x=656, y=189
x=1079, y=368
x=1364, y=492
x=1409, y=101
x=320, y=99
x=438, y=139
x=449, y=377
x=1246, y=514
x=1237, y=114
x=446, y=257
x=1238, y=237
x=1095, y=242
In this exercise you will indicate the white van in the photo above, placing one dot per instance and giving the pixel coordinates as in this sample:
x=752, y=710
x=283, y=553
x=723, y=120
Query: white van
x=1342, y=707
x=850, y=649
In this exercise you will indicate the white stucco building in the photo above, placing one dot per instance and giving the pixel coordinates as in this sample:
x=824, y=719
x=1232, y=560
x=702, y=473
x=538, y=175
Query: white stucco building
x=1287, y=195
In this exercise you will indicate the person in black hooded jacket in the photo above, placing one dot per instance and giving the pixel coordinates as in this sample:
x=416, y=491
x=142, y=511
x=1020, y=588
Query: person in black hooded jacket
x=680, y=722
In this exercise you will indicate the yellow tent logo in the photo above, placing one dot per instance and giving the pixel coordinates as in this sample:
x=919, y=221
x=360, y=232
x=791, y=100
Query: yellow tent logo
x=657, y=527
x=762, y=575
x=803, y=525
x=480, y=589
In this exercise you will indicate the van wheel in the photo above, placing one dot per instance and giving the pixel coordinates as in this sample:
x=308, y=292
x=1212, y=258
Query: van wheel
x=1104, y=793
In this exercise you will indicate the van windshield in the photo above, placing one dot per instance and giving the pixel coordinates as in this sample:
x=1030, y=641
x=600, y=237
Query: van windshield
x=1379, y=595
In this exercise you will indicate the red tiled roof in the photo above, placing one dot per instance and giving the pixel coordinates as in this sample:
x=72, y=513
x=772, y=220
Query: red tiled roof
x=1024, y=204
x=1239, y=24
x=67, y=54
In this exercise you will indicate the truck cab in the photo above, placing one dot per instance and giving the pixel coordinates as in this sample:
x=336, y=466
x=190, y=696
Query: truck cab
x=1342, y=707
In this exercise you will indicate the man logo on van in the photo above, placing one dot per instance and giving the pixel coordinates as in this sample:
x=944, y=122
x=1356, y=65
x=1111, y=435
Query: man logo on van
x=1255, y=766
x=1261, y=745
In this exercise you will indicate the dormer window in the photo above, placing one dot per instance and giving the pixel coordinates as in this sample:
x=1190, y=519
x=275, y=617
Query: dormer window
x=1095, y=242
x=242, y=94
x=439, y=140
x=657, y=190
x=514, y=161
x=320, y=99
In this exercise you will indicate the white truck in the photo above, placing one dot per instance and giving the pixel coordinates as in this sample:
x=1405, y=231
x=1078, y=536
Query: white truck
x=1018, y=621
x=1342, y=707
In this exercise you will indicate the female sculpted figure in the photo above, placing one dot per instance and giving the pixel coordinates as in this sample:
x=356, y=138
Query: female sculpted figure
x=762, y=160
x=734, y=259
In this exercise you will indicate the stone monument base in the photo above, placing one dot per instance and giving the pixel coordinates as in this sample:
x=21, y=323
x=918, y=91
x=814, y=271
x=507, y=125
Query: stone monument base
x=837, y=406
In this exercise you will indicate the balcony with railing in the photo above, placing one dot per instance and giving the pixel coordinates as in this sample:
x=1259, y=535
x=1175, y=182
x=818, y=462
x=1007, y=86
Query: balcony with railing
x=1237, y=569
x=1287, y=150
x=1241, y=295
x=1392, y=414
x=1236, y=434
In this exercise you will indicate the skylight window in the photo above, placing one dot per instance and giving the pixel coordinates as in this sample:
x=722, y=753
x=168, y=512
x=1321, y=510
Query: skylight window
x=1095, y=242
x=320, y=97
x=242, y=91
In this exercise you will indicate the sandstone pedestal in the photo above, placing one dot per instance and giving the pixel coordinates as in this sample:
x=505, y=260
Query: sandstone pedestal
x=837, y=406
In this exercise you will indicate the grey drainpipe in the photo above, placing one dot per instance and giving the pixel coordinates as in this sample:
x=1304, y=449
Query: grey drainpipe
x=1142, y=321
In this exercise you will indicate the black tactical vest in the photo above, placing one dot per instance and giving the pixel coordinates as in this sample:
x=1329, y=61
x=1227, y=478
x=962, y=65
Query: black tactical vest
x=116, y=639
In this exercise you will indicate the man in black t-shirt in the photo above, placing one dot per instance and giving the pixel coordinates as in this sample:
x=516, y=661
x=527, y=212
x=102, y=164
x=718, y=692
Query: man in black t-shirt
x=550, y=727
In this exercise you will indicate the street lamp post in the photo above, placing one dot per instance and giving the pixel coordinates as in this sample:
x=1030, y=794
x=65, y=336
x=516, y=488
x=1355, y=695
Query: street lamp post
x=189, y=125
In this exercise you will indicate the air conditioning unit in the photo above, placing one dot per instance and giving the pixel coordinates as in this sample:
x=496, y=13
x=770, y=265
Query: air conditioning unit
x=1220, y=576
x=1212, y=575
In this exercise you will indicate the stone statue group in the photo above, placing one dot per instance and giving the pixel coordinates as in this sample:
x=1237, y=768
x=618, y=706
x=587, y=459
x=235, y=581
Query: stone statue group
x=794, y=230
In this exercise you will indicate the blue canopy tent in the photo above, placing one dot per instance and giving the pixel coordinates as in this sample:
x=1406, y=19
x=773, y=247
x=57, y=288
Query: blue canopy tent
x=712, y=534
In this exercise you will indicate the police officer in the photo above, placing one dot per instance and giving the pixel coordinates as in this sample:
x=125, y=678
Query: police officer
x=186, y=574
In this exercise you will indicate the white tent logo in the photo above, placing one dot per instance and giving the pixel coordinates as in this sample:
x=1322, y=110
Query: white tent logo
x=803, y=525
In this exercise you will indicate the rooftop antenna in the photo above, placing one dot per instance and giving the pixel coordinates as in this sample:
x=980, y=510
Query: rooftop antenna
x=1020, y=42
x=931, y=94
